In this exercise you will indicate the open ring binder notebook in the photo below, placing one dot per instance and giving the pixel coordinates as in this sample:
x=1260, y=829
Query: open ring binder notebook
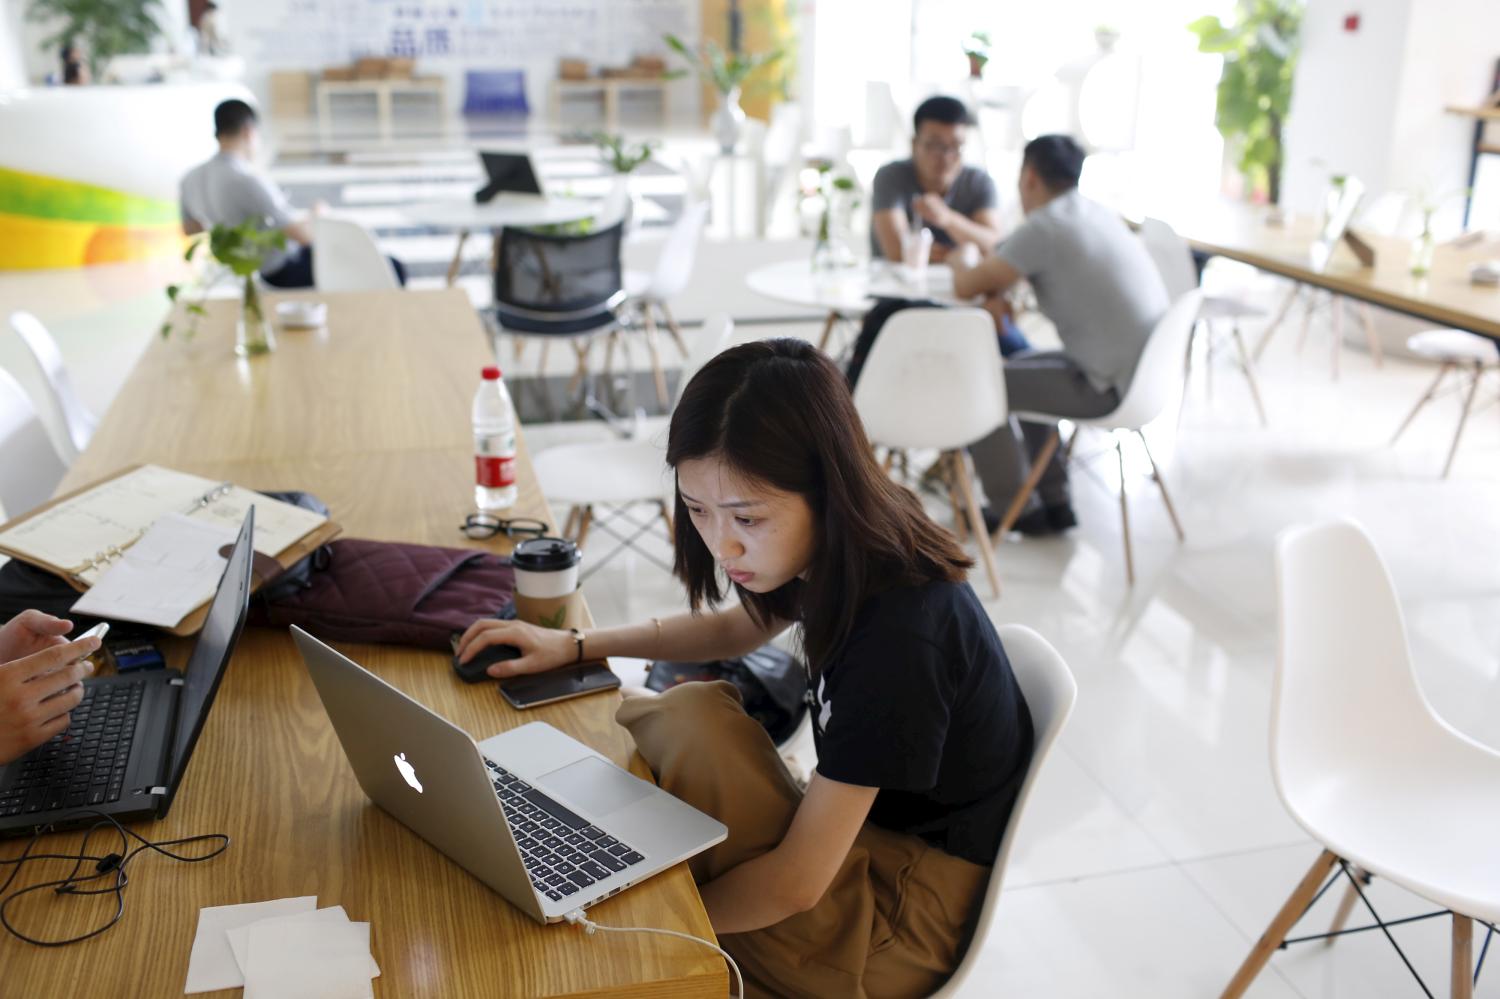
x=80, y=535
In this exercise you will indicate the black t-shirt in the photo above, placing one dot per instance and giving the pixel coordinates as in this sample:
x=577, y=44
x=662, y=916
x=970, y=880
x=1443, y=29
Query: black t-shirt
x=921, y=703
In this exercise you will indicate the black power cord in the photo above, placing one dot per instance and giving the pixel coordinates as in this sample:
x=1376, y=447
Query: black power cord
x=113, y=863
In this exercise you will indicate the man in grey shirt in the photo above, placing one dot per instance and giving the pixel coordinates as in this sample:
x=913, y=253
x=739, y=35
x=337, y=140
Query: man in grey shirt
x=1094, y=279
x=933, y=188
x=229, y=189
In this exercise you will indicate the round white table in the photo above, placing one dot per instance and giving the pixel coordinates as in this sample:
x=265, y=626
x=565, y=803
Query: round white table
x=502, y=210
x=850, y=291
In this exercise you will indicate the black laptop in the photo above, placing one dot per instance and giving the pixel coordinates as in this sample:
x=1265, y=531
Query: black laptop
x=510, y=173
x=128, y=742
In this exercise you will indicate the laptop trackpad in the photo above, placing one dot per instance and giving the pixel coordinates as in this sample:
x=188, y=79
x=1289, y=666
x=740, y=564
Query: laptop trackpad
x=595, y=785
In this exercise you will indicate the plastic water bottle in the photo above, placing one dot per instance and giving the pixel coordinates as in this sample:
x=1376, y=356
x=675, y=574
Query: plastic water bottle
x=494, y=444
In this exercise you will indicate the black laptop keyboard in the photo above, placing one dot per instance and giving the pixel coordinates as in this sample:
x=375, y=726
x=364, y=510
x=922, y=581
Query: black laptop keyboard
x=84, y=766
x=563, y=851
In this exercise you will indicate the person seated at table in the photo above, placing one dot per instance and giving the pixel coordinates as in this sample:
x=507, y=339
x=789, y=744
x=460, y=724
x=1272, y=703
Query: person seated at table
x=869, y=881
x=40, y=674
x=1094, y=279
x=229, y=189
x=933, y=188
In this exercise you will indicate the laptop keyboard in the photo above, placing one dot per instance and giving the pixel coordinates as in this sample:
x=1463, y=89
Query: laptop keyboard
x=563, y=851
x=84, y=766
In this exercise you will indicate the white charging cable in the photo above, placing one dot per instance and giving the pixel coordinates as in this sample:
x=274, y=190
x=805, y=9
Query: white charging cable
x=577, y=918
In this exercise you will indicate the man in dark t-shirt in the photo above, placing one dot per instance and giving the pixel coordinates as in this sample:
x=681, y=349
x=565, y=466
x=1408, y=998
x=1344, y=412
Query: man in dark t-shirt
x=921, y=703
x=933, y=188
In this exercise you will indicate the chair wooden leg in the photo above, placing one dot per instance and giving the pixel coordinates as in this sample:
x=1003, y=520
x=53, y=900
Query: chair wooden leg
x=1187, y=369
x=582, y=371
x=1346, y=905
x=1463, y=958
x=1247, y=366
x=609, y=354
x=1367, y=318
x=541, y=365
x=518, y=347
x=1286, y=306
x=828, y=325
x=1426, y=397
x=458, y=257
x=656, y=372
x=953, y=471
x=964, y=475
x=1161, y=484
x=1463, y=417
x=674, y=330
x=1284, y=921
x=1307, y=314
x=571, y=523
x=1038, y=466
x=1125, y=514
x=585, y=521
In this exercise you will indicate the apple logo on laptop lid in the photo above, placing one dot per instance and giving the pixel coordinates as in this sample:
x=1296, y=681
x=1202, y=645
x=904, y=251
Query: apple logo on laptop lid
x=408, y=772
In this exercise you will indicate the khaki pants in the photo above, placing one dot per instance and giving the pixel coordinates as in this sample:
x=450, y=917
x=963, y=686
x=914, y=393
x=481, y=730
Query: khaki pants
x=898, y=914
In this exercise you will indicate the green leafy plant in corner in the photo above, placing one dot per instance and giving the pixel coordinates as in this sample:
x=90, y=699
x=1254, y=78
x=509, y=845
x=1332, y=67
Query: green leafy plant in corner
x=240, y=250
x=1255, y=91
x=724, y=70
x=106, y=27
x=622, y=154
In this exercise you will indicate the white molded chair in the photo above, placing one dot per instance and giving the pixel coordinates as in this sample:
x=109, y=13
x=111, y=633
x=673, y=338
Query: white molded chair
x=780, y=158
x=345, y=258
x=1174, y=259
x=1360, y=759
x=1050, y=692
x=934, y=379
x=1470, y=355
x=1153, y=386
x=68, y=412
x=30, y=467
x=650, y=292
x=621, y=473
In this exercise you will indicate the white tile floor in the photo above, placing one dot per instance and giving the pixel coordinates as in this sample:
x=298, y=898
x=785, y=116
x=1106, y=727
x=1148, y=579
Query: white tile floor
x=1156, y=849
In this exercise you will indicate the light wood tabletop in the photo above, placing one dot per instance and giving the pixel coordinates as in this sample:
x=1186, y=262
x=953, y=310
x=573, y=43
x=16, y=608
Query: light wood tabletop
x=1445, y=296
x=371, y=415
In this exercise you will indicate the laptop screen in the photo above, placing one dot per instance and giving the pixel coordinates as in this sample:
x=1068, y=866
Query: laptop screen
x=205, y=667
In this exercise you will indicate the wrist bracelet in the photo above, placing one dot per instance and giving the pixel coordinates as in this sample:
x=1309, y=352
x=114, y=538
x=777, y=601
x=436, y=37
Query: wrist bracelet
x=578, y=640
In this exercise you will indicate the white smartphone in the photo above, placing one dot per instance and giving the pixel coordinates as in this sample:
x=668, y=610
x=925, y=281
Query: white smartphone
x=97, y=631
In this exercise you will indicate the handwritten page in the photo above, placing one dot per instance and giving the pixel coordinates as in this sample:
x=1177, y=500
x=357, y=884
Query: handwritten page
x=159, y=580
x=85, y=534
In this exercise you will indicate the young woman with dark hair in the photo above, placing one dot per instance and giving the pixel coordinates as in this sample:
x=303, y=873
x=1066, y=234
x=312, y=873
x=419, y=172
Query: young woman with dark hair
x=867, y=883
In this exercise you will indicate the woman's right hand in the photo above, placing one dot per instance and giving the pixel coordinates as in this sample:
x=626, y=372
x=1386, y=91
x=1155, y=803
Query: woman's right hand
x=541, y=648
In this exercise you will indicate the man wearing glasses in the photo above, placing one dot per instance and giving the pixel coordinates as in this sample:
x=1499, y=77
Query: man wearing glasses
x=934, y=188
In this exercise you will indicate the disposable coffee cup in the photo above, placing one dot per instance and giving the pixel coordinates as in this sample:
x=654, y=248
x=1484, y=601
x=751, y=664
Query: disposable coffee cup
x=547, y=582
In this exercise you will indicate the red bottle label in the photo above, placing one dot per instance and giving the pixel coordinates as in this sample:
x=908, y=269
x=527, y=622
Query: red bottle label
x=494, y=473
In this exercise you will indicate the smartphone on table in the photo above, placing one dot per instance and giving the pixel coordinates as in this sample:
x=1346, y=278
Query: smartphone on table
x=533, y=689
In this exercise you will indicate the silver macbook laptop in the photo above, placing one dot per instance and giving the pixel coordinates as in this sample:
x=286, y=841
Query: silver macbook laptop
x=535, y=814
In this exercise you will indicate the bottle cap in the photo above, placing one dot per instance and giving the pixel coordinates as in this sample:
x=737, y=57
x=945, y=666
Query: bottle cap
x=491, y=373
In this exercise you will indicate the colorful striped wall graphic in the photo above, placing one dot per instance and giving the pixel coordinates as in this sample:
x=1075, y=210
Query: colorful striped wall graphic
x=47, y=222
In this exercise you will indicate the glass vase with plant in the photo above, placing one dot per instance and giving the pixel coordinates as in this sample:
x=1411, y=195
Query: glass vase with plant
x=240, y=251
x=838, y=196
x=977, y=48
x=1260, y=51
x=726, y=72
x=106, y=27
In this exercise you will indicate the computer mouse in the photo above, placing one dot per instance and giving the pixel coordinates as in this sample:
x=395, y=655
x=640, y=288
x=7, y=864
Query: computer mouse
x=474, y=670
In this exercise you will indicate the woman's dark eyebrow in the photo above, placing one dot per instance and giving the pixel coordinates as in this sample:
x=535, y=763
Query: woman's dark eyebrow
x=737, y=504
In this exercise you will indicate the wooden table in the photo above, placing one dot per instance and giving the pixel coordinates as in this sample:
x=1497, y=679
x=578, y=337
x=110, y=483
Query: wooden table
x=372, y=415
x=1444, y=296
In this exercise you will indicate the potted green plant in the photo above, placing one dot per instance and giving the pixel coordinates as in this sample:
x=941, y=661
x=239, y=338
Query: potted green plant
x=107, y=27
x=621, y=154
x=726, y=72
x=977, y=48
x=240, y=251
x=1255, y=91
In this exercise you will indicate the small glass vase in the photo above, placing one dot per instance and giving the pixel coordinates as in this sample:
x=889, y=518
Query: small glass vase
x=253, y=335
x=1421, y=253
x=831, y=252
